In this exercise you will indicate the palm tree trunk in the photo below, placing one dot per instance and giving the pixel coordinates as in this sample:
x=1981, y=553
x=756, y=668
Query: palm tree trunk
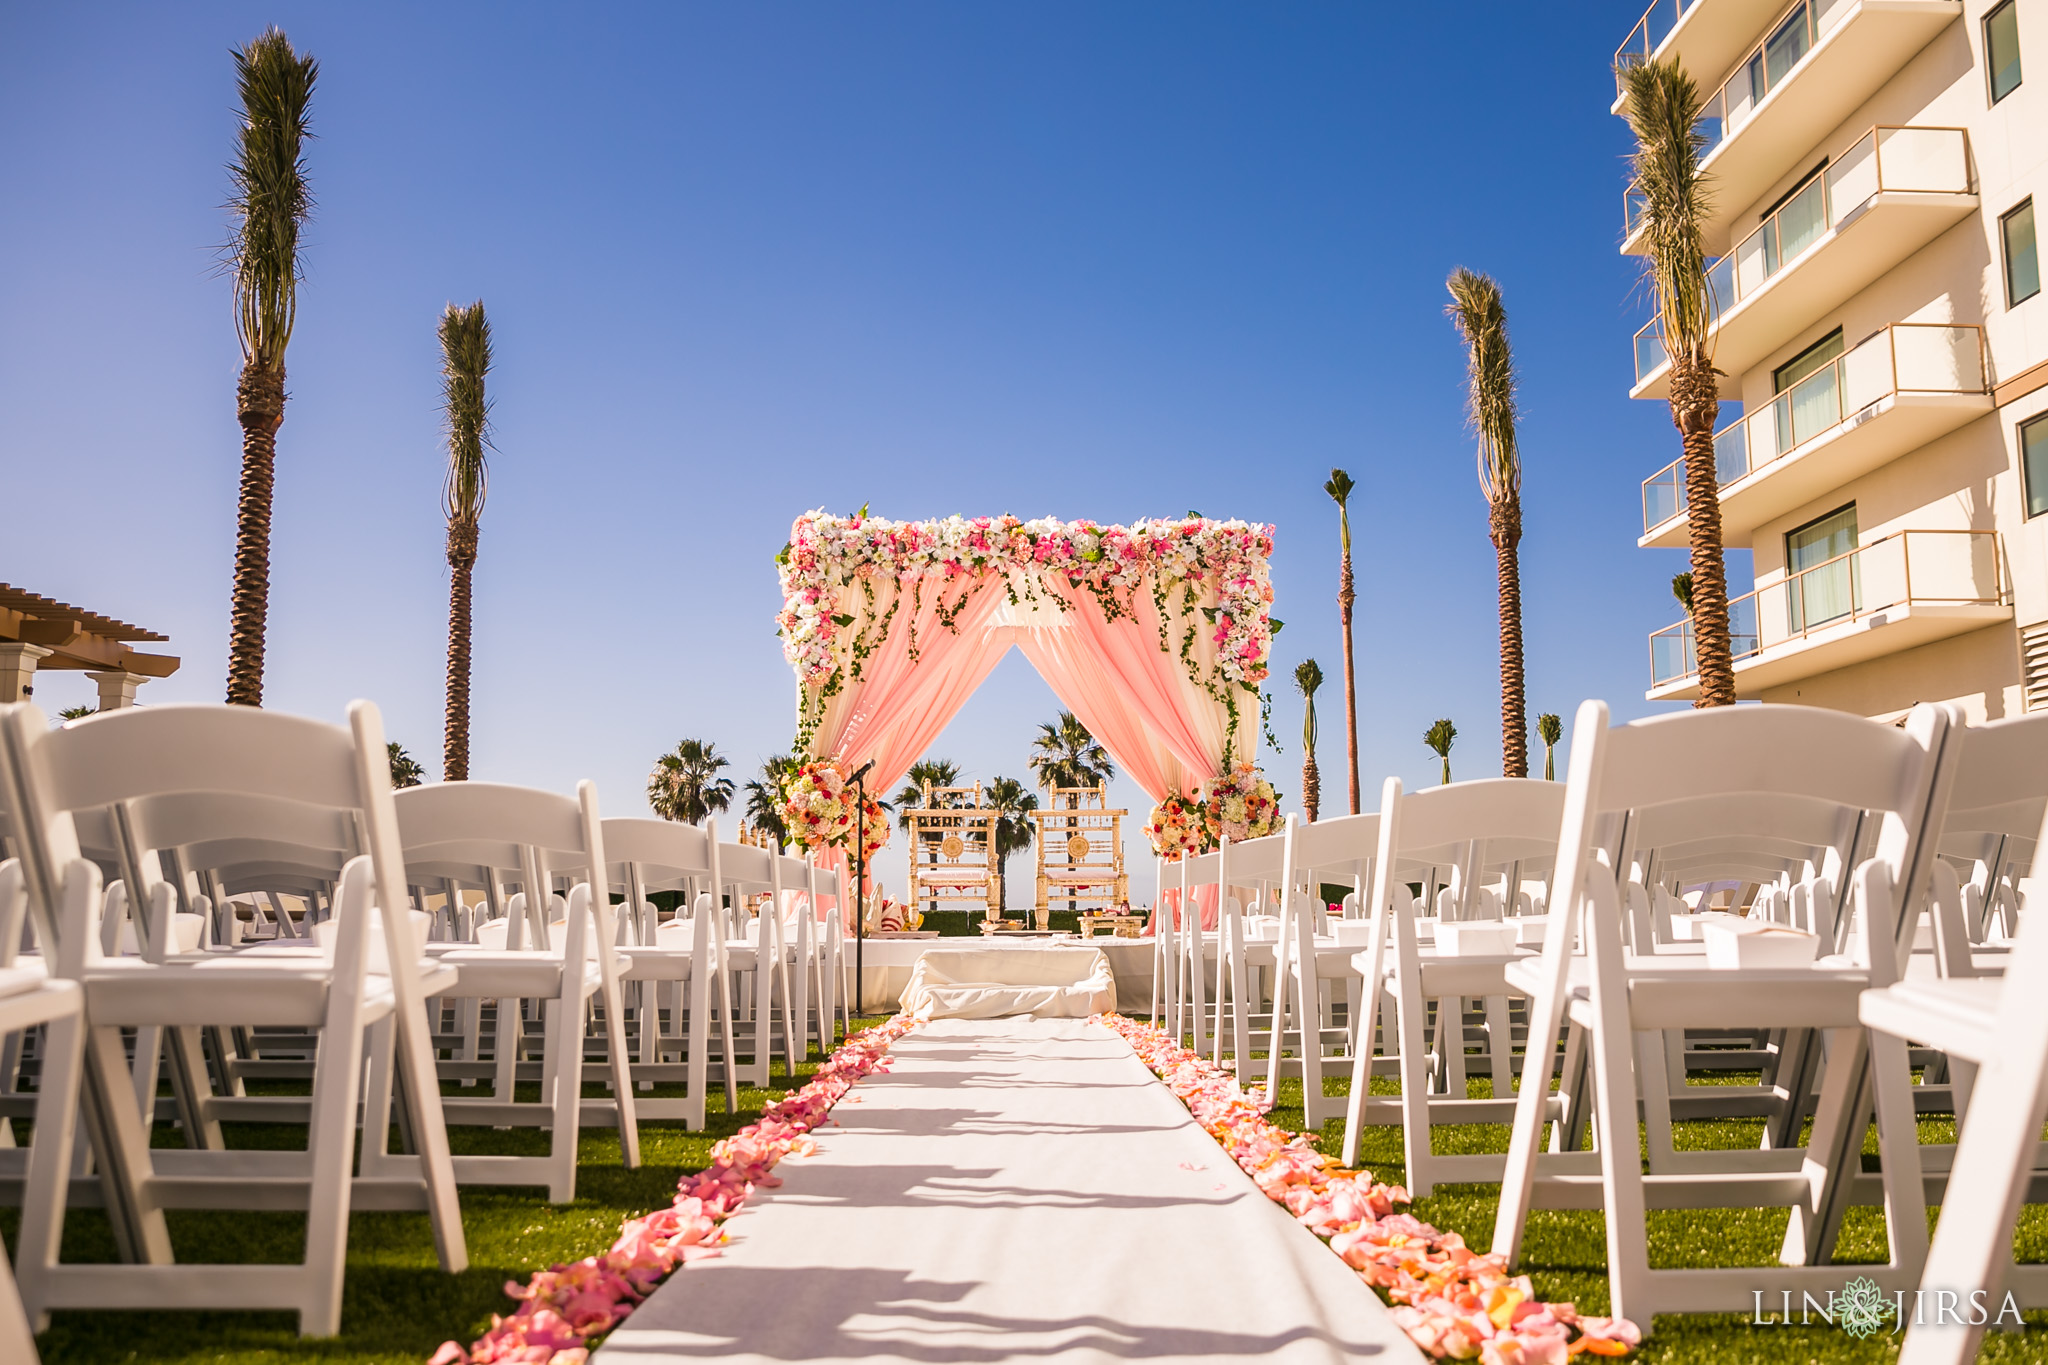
x=1695, y=404
x=462, y=547
x=1345, y=597
x=1514, y=722
x=1311, y=787
x=259, y=407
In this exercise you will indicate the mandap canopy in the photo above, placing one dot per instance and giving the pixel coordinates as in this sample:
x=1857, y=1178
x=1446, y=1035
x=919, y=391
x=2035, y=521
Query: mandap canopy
x=1155, y=635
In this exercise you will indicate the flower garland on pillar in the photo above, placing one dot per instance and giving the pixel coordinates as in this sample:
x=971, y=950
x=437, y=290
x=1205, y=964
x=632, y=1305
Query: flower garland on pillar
x=1241, y=804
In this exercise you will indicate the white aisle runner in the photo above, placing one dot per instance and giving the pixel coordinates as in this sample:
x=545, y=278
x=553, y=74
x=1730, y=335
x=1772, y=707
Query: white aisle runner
x=1014, y=1189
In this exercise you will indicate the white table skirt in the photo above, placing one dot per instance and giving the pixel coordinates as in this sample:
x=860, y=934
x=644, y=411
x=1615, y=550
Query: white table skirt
x=886, y=964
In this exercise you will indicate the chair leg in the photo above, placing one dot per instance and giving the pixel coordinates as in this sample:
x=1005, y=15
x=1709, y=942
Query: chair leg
x=48, y=1188
x=337, y=1080
x=1415, y=1134
x=565, y=1076
x=622, y=1076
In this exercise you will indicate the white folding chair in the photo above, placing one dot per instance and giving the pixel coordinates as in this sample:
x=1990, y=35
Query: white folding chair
x=159, y=770
x=29, y=998
x=533, y=836
x=1508, y=825
x=1705, y=758
x=1994, y=1025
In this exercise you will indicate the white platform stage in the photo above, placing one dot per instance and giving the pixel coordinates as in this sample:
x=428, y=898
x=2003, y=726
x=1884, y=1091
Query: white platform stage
x=1015, y=1189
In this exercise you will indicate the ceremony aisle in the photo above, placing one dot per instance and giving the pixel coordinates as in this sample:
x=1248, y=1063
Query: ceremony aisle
x=1012, y=1189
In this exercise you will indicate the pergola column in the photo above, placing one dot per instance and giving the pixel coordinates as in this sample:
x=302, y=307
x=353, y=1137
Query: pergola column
x=117, y=688
x=18, y=670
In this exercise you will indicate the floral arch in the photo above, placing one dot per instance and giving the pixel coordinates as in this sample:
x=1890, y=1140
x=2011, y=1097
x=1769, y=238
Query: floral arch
x=1156, y=635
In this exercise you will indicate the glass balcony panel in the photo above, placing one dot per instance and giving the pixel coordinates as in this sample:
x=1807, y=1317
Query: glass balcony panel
x=1949, y=566
x=1721, y=284
x=1938, y=359
x=1867, y=372
x=1783, y=49
x=1772, y=613
x=1756, y=260
x=1852, y=178
x=1881, y=576
x=1802, y=221
x=1663, y=496
x=1923, y=160
x=1649, y=351
x=1781, y=423
x=1816, y=403
x=1731, y=452
x=1671, y=656
x=1633, y=206
x=1823, y=594
x=1742, y=636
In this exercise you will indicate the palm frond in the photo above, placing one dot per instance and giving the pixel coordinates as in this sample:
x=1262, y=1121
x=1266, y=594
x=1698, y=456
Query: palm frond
x=685, y=785
x=1064, y=754
x=271, y=197
x=465, y=361
x=1663, y=106
x=1476, y=309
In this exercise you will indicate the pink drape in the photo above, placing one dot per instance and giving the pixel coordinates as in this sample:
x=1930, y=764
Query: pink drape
x=1128, y=692
x=899, y=705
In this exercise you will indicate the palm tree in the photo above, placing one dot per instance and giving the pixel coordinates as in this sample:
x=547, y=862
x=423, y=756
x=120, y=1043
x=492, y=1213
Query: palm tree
x=1308, y=676
x=465, y=360
x=1065, y=755
x=936, y=772
x=1439, y=737
x=685, y=784
x=764, y=796
x=1010, y=801
x=1663, y=107
x=1476, y=309
x=270, y=202
x=1339, y=488
x=1550, y=730
x=405, y=769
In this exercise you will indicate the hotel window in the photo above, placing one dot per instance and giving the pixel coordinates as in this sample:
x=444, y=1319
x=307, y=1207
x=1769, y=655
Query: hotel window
x=2002, y=49
x=2022, y=259
x=2034, y=459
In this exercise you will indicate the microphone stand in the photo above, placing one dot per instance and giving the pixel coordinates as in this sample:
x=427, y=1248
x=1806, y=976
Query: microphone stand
x=860, y=887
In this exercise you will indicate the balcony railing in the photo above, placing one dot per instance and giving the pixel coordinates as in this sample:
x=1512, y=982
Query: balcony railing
x=1906, y=568
x=1650, y=32
x=1886, y=159
x=1906, y=357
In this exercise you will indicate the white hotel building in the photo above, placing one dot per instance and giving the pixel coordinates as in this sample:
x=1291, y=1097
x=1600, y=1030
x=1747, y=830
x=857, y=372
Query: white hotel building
x=1884, y=432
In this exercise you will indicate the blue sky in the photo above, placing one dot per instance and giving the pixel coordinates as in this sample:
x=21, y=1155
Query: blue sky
x=1052, y=259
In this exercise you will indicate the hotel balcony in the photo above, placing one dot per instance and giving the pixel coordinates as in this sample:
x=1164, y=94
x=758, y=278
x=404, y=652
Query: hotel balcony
x=1906, y=589
x=1894, y=191
x=1813, y=67
x=1708, y=36
x=1893, y=393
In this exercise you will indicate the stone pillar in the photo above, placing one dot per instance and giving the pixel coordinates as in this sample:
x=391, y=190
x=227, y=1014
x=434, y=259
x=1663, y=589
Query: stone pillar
x=117, y=688
x=18, y=670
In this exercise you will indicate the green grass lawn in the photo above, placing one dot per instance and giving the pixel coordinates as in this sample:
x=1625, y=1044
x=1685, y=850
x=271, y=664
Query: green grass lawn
x=1565, y=1255
x=398, y=1306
